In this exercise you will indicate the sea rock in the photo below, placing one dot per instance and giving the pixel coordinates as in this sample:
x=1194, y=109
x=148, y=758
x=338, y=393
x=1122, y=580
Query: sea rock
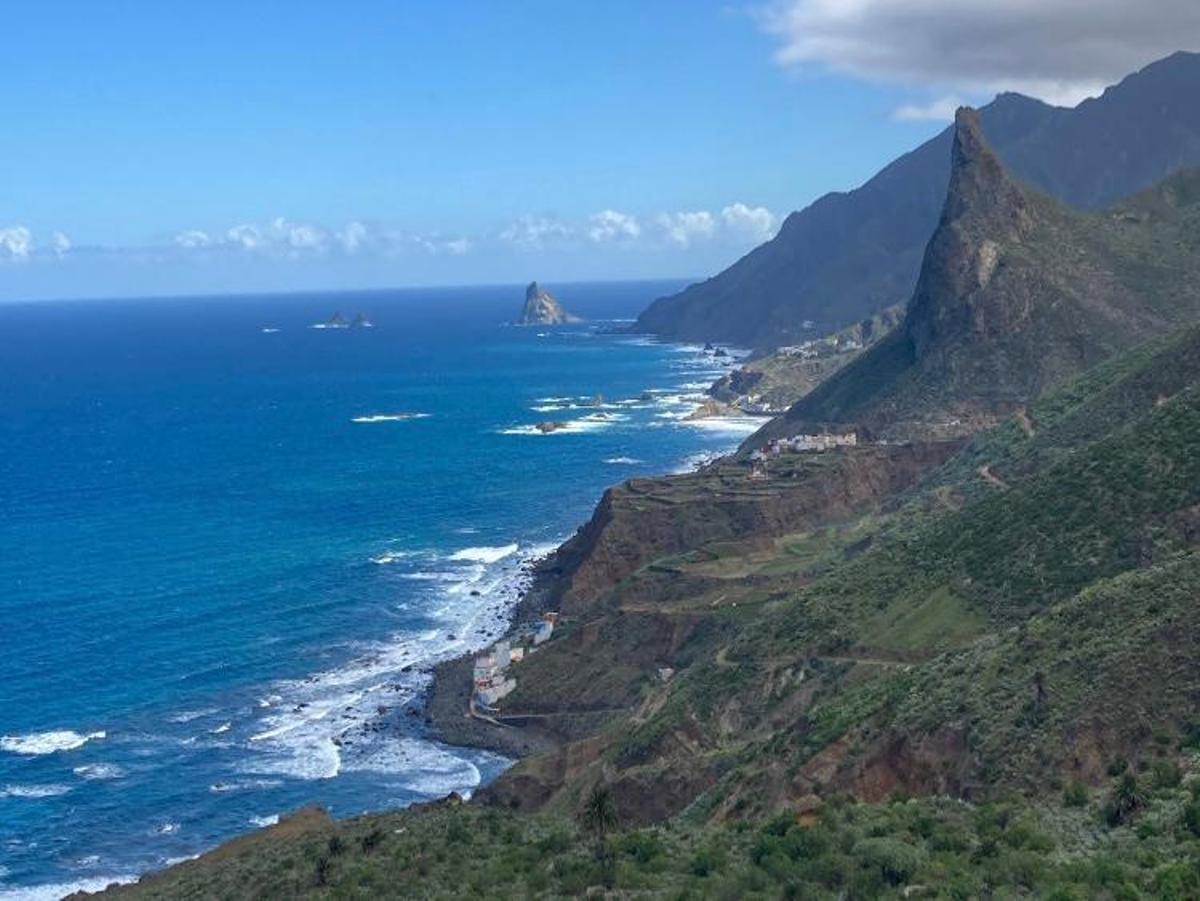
x=542, y=308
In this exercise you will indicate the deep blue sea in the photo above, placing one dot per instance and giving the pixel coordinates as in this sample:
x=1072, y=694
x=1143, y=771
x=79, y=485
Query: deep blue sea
x=231, y=545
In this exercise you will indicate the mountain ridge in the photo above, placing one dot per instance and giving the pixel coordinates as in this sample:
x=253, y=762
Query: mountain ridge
x=849, y=254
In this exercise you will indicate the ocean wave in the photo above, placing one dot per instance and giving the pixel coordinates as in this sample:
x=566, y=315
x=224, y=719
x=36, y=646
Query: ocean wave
x=220, y=788
x=186, y=716
x=221, y=729
x=166, y=828
x=390, y=417
x=55, y=891
x=265, y=821
x=99, y=771
x=484, y=554
x=338, y=720
x=728, y=425
x=591, y=423
x=388, y=557
x=623, y=461
x=37, y=743
x=50, y=790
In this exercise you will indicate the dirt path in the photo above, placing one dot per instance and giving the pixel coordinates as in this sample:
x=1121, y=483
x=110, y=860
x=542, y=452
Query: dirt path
x=985, y=473
x=1025, y=423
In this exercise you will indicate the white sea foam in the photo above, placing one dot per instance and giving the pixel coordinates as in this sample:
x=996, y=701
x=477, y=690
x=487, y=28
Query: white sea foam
x=728, y=425
x=55, y=891
x=592, y=422
x=269, y=331
x=187, y=716
x=484, y=554
x=49, y=790
x=623, y=461
x=244, y=785
x=388, y=557
x=99, y=771
x=335, y=721
x=390, y=417
x=221, y=729
x=263, y=822
x=166, y=828
x=37, y=743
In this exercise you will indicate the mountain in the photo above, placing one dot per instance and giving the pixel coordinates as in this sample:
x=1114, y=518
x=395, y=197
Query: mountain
x=851, y=254
x=541, y=308
x=1016, y=293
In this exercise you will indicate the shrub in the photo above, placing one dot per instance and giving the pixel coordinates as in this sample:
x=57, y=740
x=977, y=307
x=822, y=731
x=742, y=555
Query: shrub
x=1191, y=818
x=895, y=861
x=1075, y=794
x=1166, y=774
x=1124, y=802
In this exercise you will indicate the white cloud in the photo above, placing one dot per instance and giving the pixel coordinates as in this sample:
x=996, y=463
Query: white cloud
x=459, y=246
x=60, y=244
x=16, y=243
x=940, y=109
x=610, y=225
x=297, y=236
x=353, y=236
x=1058, y=50
x=755, y=223
x=534, y=232
x=245, y=236
x=685, y=228
x=192, y=239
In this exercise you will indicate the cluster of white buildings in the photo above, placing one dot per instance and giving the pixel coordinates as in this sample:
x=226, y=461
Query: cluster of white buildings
x=491, y=673
x=821, y=347
x=802, y=443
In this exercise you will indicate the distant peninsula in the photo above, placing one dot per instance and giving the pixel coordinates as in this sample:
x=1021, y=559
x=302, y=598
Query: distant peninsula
x=541, y=308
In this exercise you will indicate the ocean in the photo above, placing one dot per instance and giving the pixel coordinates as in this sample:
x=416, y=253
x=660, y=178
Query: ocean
x=232, y=545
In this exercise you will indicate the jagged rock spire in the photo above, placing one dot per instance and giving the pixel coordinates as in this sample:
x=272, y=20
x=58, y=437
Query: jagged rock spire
x=984, y=210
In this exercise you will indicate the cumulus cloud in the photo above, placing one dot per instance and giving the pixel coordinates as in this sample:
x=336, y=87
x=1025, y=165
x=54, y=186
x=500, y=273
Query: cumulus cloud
x=755, y=223
x=192, y=239
x=534, y=232
x=16, y=243
x=60, y=244
x=610, y=225
x=940, y=109
x=1058, y=50
x=686, y=228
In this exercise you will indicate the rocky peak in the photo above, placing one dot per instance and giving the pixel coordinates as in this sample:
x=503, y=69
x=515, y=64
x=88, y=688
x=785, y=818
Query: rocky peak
x=541, y=308
x=985, y=211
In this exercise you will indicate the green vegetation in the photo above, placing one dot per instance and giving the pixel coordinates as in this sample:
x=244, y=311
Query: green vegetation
x=904, y=848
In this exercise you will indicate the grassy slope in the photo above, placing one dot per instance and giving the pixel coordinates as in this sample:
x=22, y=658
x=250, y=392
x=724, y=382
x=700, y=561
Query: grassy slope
x=906, y=848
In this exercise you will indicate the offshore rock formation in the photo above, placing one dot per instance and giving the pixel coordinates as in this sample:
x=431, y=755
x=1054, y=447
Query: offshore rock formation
x=542, y=308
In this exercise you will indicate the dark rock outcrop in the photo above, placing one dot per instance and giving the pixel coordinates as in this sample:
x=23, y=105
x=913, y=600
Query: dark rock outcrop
x=542, y=308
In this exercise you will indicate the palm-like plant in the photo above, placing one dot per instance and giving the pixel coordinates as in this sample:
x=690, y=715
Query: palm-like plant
x=599, y=816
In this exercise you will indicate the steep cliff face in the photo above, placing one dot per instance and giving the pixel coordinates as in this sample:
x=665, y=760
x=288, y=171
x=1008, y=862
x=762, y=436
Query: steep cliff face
x=851, y=254
x=542, y=308
x=646, y=519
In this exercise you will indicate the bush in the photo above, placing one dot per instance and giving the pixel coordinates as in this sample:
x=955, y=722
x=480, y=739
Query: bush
x=1075, y=795
x=643, y=846
x=1191, y=818
x=895, y=861
x=1166, y=774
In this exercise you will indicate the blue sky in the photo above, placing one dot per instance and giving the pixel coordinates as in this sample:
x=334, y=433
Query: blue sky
x=220, y=146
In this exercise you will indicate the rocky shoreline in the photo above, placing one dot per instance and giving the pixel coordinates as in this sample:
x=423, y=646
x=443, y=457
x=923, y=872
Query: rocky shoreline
x=447, y=702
